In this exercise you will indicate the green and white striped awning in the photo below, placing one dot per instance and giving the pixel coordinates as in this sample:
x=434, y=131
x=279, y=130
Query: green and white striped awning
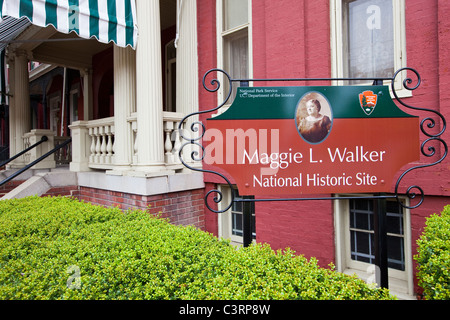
x=106, y=20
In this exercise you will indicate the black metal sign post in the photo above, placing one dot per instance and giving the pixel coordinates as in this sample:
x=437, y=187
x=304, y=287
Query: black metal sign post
x=247, y=223
x=380, y=235
x=428, y=149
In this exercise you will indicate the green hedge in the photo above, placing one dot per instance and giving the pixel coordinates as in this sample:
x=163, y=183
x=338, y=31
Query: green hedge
x=59, y=248
x=434, y=256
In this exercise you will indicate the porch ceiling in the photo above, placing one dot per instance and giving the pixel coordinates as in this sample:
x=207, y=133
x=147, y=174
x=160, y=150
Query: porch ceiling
x=72, y=51
x=76, y=53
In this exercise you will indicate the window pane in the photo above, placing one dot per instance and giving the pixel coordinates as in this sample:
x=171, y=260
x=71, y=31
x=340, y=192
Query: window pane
x=396, y=254
x=394, y=223
x=394, y=218
x=236, y=206
x=236, y=58
x=361, y=221
x=239, y=56
x=237, y=224
x=362, y=239
x=362, y=246
x=363, y=243
x=362, y=205
x=368, y=28
x=236, y=13
x=393, y=207
x=361, y=214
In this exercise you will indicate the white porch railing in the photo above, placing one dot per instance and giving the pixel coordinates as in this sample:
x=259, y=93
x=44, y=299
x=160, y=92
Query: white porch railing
x=100, y=137
x=101, y=133
x=172, y=141
x=29, y=139
x=63, y=155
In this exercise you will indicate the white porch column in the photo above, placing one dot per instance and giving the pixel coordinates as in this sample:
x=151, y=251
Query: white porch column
x=22, y=113
x=187, y=67
x=150, y=145
x=124, y=105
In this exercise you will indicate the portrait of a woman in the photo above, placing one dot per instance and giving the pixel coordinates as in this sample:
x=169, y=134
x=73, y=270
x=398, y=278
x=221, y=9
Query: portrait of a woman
x=315, y=126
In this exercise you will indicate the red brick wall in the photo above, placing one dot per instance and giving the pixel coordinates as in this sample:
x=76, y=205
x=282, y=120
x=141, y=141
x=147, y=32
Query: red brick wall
x=427, y=28
x=206, y=37
x=182, y=208
x=62, y=191
x=291, y=38
x=7, y=187
x=443, y=71
x=304, y=226
x=211, y=218
x=427, y=37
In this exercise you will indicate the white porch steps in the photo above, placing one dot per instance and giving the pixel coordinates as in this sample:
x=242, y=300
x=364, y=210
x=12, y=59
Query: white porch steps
x=39, y=181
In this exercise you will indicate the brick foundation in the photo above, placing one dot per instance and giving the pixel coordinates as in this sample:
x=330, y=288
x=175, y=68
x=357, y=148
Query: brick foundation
x=7, y=187
x=181, y=208
x=62, y=191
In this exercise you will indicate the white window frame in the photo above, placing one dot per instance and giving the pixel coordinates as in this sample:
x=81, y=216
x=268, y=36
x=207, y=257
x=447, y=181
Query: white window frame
x=400, y=282
x=225, y=223
x=337, y=47
x=221, y=55
x=74, y=91
x=54, y=102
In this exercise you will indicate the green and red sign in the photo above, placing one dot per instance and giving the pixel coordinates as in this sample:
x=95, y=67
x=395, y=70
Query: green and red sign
x=311, y=140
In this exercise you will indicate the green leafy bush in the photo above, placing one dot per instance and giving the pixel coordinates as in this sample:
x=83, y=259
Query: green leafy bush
x=434, y=256
x=59, y=248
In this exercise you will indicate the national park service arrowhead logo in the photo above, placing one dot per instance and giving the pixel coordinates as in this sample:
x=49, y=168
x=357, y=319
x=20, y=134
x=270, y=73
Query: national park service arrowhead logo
x=368, y=101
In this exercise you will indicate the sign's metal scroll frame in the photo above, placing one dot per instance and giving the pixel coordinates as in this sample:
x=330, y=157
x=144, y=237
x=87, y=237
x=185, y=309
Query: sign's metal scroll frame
x=432, y=146
x=428, y=149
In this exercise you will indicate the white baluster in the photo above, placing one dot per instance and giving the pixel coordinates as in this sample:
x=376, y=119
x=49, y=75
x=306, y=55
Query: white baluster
x=135, y=146
x=168, y=127
x=92, y=149
x=109, y=146
x=177, y=143
x=103, y=144
x=113, y=142
x=97, y=145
